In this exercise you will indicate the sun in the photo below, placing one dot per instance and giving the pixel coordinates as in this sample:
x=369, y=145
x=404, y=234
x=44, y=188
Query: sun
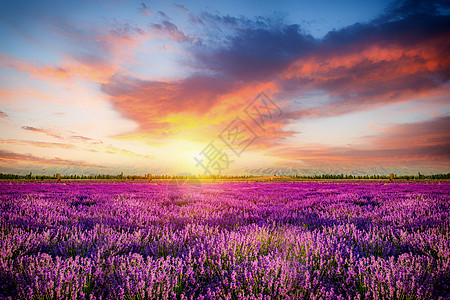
x=181, y=155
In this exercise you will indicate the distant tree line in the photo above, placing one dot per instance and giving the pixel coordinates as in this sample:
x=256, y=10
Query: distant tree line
x=390, y=176
x=186, y=177
x=119, y=177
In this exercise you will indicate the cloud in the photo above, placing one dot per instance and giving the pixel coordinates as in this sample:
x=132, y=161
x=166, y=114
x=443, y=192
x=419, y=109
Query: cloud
x=375, y=64
x=85, y=139
x=169, y=29
x=84, y=66
x=396, y=57
x=163, y=15
x=37, y=144
x=62, y=136
x=3, y=115
x=7, y=158
x=432, y=133
x=88, y=144
x=400, y=56
x=407, y=8
x=427, y=141
x=44, y=131
x=182, y=8
x=107, y=43
x=91, y=52
x=114, y=150
x=151, y=102
x=143, y=9
x=362, y=66
x=355, y=155
x=254, y=50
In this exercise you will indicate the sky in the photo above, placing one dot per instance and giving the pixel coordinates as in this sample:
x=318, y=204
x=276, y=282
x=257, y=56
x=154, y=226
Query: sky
x=225, y=87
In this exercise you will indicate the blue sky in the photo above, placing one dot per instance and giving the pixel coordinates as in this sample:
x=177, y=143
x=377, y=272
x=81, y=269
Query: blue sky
x=145, y=87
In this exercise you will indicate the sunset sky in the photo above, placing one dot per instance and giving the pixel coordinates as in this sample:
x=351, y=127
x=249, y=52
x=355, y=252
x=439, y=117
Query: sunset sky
x=235, y=87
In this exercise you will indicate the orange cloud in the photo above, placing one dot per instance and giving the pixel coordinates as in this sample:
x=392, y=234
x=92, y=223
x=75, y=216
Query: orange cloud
x=365, y=75
x=37, y=144
x=197, y=108
x=109, y=47
x=368, y=68
x=433, y=133
x=98, y=72
x=415, y=142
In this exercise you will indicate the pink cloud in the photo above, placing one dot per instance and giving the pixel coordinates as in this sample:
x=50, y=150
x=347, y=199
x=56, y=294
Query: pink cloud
x=427, y=141
x=37, y=144
x=50, y=133
x=7, y=158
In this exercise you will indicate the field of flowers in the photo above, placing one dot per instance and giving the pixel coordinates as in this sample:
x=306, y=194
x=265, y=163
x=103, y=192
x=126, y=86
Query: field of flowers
x=225, y=240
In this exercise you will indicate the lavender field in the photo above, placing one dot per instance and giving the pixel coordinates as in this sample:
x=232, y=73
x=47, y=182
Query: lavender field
x=225, y=240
